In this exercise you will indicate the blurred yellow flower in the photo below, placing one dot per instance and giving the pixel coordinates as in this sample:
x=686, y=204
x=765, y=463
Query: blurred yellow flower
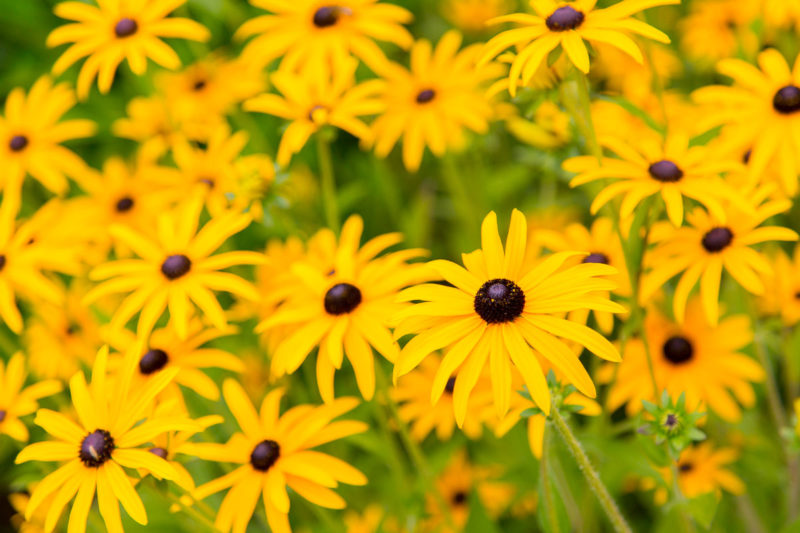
x=17, y=400
x=472, y=16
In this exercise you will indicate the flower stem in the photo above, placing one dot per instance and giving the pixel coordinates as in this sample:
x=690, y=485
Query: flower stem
x=595, y=483
x=327, y=182
x=575, y=97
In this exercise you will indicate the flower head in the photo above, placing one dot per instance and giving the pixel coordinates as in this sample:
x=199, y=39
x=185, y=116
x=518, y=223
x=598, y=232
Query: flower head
x=16, y=400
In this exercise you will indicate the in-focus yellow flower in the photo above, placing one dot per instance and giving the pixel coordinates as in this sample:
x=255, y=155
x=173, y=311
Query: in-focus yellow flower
x=346, y=310
x=315, y=34
x=174, y=269
x=31, y=133
x=760, y=112
x=695, y=358
x=106, y=439
x=782, y=288
x=569, y=24
x=432, y=104
x=472, y=15
x=276, y=452
x=115, y=30
x=670, y=168
x=503, y=309
x=707, y=245
x=16, y=400
x=313, y=101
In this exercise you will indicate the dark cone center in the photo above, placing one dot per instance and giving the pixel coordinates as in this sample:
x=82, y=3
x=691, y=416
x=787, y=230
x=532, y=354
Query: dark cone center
x=666, y=171
x=460, y=498
x=125, y=27
x=426, y=96
x=199, y=85
x=327, y=16
x=96, y=448
x=564, y=18
x=596, y=257
x=678, y=350
x=686, y=467
x=18, y=143
x=2, y=261
x=342, y=298
x=124, y=204
x=499, y=300
x=176, y=266
x=152, y=361
x=159, y=452
x=265, y=454
x=3, y=414
x=451, y=385
x=787, y=100
x=717, y=239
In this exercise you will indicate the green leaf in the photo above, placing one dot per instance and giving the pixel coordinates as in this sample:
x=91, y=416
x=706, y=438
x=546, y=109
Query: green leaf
x=703, y=508
x=655, y=453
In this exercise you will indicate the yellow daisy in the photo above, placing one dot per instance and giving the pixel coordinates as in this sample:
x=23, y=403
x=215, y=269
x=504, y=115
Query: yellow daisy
x=276, y=452
x=472, y=15
x=313, y=101
x=719, y=29
x=31, y=134
x=548, y=129
x=152, y=123
x=115, y=30
x=174, y=267
x=701, y=250
x=569, y=24
x=318, y=33
x=16, y=400
x=781, y=296
x=502, y=309
x=442, y=94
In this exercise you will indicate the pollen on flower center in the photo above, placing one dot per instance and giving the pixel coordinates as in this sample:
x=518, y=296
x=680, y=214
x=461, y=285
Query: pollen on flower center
x=124, y=204
x=666, y=171
x=265, y=454
x=96, y=448
x=596, y=257
x=176, y=266
x=152, y=361
x=564, y=18
x=327, y=16
x=678, y=350
x=159, y=452
x=426, y=96
x=342, y=298
x=499, y=300
x=125, y=27
x=787, y=100
x=717, y=239
x=451, y=385
x=18, y=143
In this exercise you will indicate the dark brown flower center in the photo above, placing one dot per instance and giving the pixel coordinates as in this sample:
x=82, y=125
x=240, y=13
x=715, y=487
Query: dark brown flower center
x=686, y=467
x=787, y=100
x=564, y=18
x=96, y=448
x=717, y=239
x=746, y=157
x=426, y=96
x=18, y=143
x=159, y=452
x=3, y=414
x=596, y=257
x=328, y=16
x=499, y=300
x=125, y=27
x=124, y=204
x=2, y=261
x=666, y=171
x=342, y=298
x=176, y=266
x=451, y=385
x=152, y=361
x=678, y=350
x=265, y=454
x=460, y=498
x=199, y=85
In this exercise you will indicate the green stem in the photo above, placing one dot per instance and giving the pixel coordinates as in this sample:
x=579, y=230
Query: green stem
x=328, y=182
x=595, y=483
x=576, y=99
x=191, y=511
x=464, y=204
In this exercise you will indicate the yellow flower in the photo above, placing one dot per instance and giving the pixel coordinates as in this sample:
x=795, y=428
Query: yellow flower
x=549, y=128
x=760, y=112
x=31, y=133
x=435, y=101
x=780, y=13
x=782, y=288
x=707, y=245
x=374, y=519
x=255, y=180
x=719, y=29
x=635, y=81
x=345, y=310
x=16, y=400
x=276, y=452
x=670, y=168
x=106, y=439
x=117, y=30
x=175, y=267
x=472, y=15
x=695, y=358
x=152, y=123
x=501, y=310
x=318, y=33
x=313, y=101
x=569, y=24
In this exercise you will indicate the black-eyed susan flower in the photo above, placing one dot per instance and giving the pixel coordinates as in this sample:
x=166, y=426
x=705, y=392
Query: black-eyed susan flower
x=115, y=31
x=152, y=123
x=313, y=101
x=702, y=361
x=472, y=15
x=549, y=128
x=106, y=438
x=275, y=453
x=760, y=113
x=707, y=245
x=719, y=29
x=433, y=103
x=569, y=24
x=17, y=400
x=670, y=168
x=781, y=296
x=174, y=269
x=506, y=312
x=345, y=310
x=317, y=34
x=31, y=134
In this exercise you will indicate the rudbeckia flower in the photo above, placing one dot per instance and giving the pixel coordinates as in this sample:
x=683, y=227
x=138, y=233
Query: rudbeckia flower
x=152, y=123
x=16, y=400
x=105, y=439
x=569, y=24
x=276, y=452
x=781, y=296
x=472, y=15
x=760, y=112
x=315, y=34
x=702, y=249
x=31, y=133
x=115, y=30
x=175, y=268
x=346, y=310
x=702, y=361
x=671, y=169
x=313, y=101
x=718, y=29
x=506, y=312
x=432, y=104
